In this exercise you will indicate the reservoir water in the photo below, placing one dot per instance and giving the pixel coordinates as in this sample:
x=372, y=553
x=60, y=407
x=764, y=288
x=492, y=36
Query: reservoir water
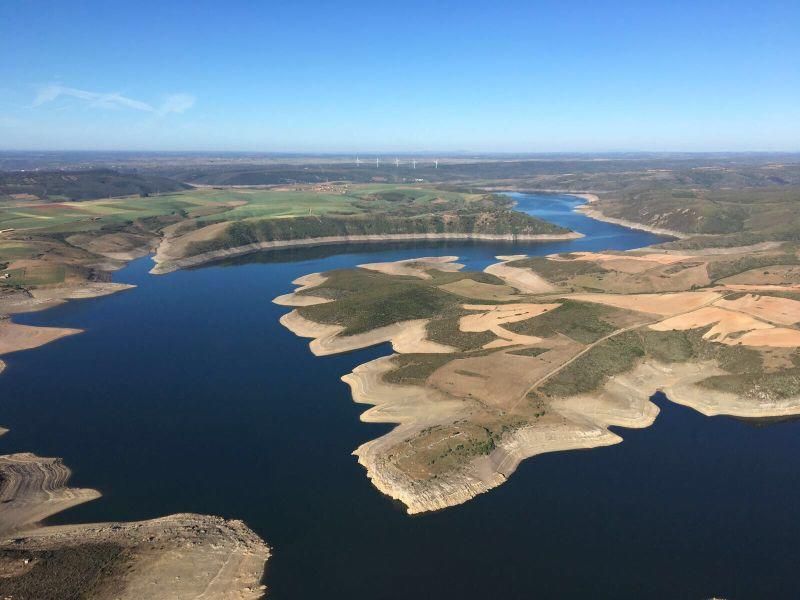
x=186, y=395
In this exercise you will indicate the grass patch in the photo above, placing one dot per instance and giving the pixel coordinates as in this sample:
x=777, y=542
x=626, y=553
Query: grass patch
x=528, y=351
x=45, y=274
x=584, y=322
x=615, y=355
x=558, y=270
x=414, y=369
x=720, y=269
x=371, y=300
x=446, y=331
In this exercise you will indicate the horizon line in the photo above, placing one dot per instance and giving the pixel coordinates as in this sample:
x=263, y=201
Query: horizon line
x=374, y=152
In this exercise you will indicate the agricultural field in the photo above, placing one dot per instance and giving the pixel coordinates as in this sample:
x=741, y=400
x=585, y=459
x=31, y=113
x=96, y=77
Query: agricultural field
x=48, y=242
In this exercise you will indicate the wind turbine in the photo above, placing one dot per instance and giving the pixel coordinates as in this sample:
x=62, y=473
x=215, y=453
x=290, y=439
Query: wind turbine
x=396, y=162
x=436, y=164
x=377, y=162
x=414, y=163
x=358, y=161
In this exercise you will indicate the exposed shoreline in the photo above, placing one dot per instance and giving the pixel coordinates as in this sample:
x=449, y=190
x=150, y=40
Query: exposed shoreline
x=578, y=422
x=412, y=408
x=167, y=265
x=177, y=556
x=575, y=421
x=592, y=212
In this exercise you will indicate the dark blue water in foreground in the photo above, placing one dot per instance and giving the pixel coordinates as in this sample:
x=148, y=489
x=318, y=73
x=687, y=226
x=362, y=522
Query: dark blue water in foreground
x=185, y=395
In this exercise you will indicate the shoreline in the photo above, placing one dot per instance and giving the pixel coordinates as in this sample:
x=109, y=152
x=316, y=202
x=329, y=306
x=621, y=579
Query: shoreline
x=135, y=559
x=578, y=422
x=164, y=265
x=595, y=213
x=588, y=210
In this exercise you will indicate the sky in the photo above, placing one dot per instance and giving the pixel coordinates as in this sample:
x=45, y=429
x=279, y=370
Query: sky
x=302, y=76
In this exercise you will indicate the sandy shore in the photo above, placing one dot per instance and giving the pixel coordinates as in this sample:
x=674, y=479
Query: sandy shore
x=523, y=280
x=306, y=282
x=15, y=337
x=166, y=263
x=36, y=299
x=405, y=337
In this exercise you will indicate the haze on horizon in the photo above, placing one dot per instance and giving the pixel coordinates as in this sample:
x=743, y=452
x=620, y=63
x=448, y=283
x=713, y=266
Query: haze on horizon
x=398, y=77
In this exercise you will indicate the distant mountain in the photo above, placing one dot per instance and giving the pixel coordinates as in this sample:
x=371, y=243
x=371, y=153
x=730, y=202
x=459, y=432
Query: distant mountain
x=82, y=185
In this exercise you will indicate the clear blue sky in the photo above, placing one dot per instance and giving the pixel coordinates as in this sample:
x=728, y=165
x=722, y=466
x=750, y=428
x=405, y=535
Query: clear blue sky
x=400, y=75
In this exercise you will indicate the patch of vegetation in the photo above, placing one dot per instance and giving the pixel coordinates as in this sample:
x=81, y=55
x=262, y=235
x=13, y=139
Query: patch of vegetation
x=558, y=270
x=44, y=274
x=620, y=354
x=70, y=572
x=444, y=449
x=83, y=185
x=611, y=357
x=445, y=330
x=373, y=300
x=584, y=322
x=758, y=386
x=445, y=277
x=250, y=231
x=722, y=207
x=414, y=369
x=528, y=351
x=720, y=269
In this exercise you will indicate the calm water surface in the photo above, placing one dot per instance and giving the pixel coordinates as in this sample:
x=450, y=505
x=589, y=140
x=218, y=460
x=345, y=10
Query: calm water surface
x=186, y=395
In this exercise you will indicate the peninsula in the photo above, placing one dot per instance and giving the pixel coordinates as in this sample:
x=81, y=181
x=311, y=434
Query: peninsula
x=545, y=354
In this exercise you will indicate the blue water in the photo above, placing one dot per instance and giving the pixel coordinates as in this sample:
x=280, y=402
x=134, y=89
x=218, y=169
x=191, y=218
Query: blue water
x=185, y=394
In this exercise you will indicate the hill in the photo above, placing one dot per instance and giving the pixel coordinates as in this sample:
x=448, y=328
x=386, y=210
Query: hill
x=58, y=186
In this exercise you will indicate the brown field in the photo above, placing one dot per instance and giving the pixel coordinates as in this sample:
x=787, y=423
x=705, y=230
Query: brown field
x=778, y=337
x=626, y=263
x=492, y=317
x=772, y=275
x=773, y=309
x=469, y=288
x=724, y=323
x=501, y=379
x=524, y=280
x=416, y=267
x=657, y=304
x=662, y=279
x=763, y=288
